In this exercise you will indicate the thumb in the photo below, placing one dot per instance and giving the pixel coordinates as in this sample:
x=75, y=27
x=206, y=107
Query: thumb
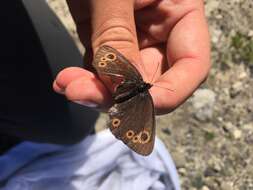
x=113, y=24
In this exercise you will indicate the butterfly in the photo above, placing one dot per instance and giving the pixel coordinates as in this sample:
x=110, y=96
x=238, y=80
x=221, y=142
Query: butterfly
x=132, y=117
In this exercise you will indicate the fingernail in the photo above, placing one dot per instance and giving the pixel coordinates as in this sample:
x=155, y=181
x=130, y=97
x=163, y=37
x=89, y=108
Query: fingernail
x=58, y=88
x=88, y=104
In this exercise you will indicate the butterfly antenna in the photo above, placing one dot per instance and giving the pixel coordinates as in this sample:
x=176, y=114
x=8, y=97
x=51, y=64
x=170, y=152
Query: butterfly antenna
x=163, y=87
x=157, y=67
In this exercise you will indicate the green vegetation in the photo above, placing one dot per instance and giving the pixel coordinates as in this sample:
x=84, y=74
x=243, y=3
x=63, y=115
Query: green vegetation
x=209, y=136
x=242, y=49
x=198, y=182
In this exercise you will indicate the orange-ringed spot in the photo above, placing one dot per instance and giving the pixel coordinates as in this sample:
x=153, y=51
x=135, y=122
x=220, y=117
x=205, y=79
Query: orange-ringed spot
x=130, y=134
x=110, y=56
x=144, y=137
x=115, y=122
x=103, y=59
x=135, y=139
x=102, y=64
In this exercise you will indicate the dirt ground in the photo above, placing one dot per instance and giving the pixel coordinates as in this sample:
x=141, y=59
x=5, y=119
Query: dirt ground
x=210, y=137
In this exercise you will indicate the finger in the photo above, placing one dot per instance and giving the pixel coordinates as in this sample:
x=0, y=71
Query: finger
x=89, y=92
x=155, y=61
x=83, y=87
x=154, y=22
x=188, y=51
x=68, y=75
x=57, y=88
x=146, y=40
x=114, y=25
x=177, y=84
x=140, y=4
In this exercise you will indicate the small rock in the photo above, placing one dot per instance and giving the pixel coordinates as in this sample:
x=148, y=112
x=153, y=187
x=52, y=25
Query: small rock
x=215, y=164
x=205, y=188
x=182, y=171
x=226, y=185
x=232, y=130
x=167, y=131
x=243, y=75
x=237, y=134
x=212, y=183
x=211, y=6
x=236, y=89
x=229, y=127
x=226, y=91
x=248, y=126
x=249, y=138
x=220, y=119
x=250, y=106
x=179, y=159
x=217, y=167
x=215, y=39
x=209, y=172
x=216, y=35
x=250, y=33
x=203, y=103
x=219, y=16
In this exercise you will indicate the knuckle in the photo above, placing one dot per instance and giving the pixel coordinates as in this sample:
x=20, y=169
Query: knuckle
x=114, y=31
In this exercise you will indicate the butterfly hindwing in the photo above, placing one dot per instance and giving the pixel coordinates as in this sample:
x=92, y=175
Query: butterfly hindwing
x=133, y=122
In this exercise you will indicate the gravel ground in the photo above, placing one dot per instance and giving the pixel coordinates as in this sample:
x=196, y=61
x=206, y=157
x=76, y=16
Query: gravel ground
x=210, y=137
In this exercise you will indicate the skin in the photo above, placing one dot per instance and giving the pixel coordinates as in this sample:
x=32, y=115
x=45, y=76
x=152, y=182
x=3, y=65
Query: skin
x=167, y=40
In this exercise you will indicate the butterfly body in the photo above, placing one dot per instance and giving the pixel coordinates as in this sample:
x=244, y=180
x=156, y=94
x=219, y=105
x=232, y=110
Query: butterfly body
x=132, y=118
x=139, y=89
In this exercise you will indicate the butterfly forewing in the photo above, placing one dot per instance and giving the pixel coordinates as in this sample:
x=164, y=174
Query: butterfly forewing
x=109, y=61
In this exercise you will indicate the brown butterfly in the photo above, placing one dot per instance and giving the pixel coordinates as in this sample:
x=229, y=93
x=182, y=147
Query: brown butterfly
x=132, y=118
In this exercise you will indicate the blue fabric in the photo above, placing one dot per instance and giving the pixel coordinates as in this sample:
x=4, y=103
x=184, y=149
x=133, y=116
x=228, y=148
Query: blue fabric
x=100, y=162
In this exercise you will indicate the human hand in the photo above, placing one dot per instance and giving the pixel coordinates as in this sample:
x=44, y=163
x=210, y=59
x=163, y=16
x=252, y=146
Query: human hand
x=167, y=40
